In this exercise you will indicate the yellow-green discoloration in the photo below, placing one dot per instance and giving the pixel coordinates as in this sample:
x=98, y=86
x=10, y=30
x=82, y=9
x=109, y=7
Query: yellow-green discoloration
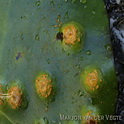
x=90, y=115
x=72, y=33
x=92, y=79
x=73, y=36
x=91, y=119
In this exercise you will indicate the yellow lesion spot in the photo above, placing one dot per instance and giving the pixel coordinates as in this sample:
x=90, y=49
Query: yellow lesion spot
x=44, y=85
x=89, y=113
x=1, y=92
x=15, y=97
x=70, y=35
x=92, y=80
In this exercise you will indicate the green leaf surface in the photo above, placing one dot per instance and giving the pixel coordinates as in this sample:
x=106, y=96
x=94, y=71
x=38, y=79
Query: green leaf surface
x=28, y=46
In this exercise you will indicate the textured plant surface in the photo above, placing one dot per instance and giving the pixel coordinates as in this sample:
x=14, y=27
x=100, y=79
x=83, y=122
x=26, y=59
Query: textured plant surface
x=45, y=70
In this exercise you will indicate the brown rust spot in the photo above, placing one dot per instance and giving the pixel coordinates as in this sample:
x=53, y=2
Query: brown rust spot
x=15, y=98
x=92, y=80
x=70, y=35
x=91, y=119
x=44, y=85
x=91, y=122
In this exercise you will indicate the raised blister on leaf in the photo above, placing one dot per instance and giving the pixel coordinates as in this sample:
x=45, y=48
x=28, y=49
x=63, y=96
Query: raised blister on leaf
x=90, y=115
x=72, y=36
x=44, y=85
x=15, y=97
x=92, y=79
